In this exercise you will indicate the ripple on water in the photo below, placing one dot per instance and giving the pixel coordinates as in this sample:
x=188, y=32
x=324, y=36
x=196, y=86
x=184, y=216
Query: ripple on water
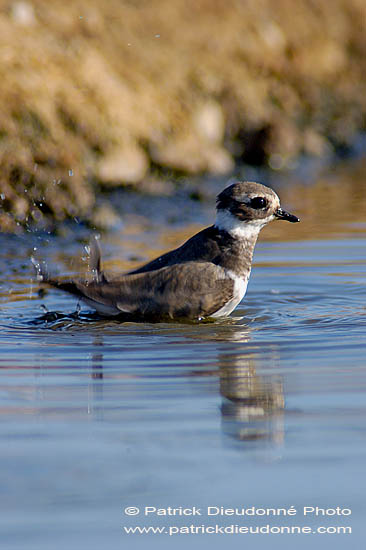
x=262, y=406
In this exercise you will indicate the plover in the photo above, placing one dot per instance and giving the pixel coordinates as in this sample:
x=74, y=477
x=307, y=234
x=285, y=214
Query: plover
x=205, y=277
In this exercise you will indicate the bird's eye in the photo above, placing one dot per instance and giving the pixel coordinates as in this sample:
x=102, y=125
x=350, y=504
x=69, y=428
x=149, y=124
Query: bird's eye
x=258, y=202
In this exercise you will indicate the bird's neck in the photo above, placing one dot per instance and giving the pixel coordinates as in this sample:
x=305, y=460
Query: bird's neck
x=238, y=256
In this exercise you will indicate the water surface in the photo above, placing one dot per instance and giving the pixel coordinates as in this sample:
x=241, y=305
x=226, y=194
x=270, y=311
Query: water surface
x=264, y=409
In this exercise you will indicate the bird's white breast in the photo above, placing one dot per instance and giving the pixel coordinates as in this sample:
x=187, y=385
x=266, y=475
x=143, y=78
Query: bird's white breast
x=240, y=287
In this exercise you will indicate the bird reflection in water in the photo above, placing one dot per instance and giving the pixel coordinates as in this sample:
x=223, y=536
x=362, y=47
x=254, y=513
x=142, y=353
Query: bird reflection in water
x=252, y=406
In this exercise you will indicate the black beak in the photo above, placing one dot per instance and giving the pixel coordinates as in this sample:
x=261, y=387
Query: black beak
x=283, y=215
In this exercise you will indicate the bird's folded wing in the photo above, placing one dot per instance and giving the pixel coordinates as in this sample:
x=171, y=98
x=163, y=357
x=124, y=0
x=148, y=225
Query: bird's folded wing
x=187, y=290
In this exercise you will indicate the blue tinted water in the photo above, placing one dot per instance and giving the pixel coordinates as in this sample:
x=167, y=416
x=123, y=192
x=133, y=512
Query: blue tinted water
x=264, y=409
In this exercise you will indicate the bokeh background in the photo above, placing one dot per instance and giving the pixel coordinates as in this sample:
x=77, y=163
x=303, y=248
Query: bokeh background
x=97, y=94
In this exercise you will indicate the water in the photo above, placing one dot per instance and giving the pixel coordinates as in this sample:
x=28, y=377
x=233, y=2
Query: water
x=265, y=409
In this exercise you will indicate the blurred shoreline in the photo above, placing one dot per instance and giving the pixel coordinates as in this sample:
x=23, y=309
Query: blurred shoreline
x=98, y=95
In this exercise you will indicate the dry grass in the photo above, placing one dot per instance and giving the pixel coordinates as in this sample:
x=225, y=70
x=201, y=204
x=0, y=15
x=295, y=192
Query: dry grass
x=106, y=88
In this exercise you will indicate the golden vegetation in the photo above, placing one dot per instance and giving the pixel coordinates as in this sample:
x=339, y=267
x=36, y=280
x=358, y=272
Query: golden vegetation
x=96, y=92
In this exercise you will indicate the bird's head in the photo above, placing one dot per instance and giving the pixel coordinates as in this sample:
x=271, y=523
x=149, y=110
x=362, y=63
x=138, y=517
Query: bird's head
x=245, y=207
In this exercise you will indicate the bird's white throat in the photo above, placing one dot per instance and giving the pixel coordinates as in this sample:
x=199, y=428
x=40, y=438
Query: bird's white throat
x=246, y=230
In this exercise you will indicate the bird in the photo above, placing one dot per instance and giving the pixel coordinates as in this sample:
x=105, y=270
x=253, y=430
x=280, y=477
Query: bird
x=206, y=277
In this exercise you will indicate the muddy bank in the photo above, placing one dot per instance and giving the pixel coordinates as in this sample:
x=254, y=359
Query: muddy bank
x=102, y=94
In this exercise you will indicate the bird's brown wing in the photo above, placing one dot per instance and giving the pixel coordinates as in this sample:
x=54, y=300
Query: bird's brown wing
x=193, y=289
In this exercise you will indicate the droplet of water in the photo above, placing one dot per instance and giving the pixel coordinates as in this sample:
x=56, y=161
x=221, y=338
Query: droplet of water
x=37, y=267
